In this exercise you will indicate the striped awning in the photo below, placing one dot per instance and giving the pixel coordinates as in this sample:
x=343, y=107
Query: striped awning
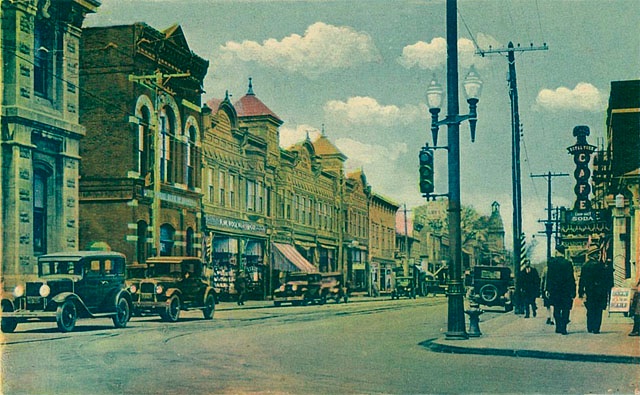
x=286, y=258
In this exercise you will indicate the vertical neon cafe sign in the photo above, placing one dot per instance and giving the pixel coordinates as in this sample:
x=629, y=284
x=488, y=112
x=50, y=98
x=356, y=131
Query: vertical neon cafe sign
x=581, y=152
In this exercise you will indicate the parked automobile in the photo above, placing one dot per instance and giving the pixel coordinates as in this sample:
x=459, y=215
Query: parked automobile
x=173, y=284
x=71, y=285
x=299, y=288
x=134, y=274
x=331, y=288
x=404, y=287
x=491, y=286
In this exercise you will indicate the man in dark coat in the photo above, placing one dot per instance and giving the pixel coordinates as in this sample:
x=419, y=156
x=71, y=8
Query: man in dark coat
x=595, y=283
x=561, y=290
x=529, y=289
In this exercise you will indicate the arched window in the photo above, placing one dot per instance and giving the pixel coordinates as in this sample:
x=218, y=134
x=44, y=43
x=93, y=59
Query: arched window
x=167, y=134
x=190, y=158
x=142, y=248
x=40, y=208
x=167, y=233
x=190, y=251
x=145, y=146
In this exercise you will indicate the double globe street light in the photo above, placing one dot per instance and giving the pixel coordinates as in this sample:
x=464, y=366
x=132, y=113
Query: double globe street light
x=456, y=328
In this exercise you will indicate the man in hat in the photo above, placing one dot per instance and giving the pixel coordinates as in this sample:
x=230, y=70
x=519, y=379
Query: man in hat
x=596, y=280
x=560, y=290
x=529, y=288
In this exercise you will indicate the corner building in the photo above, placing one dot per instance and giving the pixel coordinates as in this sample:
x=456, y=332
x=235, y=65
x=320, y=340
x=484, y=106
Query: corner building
x=140, y=188
x=40, y=154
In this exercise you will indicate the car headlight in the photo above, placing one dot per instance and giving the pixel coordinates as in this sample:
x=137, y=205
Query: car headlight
x=294, y=287
x=159, y=289
x=18, y=291
x=45, y=290
x=281, y=288
x=133, y=289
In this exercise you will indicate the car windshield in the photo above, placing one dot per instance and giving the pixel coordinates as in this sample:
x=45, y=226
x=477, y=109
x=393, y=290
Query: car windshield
x=166, y=269
x=49, y=268
x=139, y=272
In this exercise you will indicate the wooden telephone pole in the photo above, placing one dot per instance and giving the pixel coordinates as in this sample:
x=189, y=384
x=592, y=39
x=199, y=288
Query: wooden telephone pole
x=515, y=143
x=158, y=83
x=548, y=224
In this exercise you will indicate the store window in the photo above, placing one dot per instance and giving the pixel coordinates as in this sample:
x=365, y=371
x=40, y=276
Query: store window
x=190, y=236
x=190, y=159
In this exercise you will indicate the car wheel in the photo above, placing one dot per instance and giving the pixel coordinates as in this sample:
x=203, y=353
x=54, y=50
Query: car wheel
x=172, y=310
x=66, y=316
x=488, y=293
x=8, y=324
x=123, y=313
x=209, y=307
x=277, y=304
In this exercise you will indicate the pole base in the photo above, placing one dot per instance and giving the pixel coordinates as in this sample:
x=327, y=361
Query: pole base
x=456, y=336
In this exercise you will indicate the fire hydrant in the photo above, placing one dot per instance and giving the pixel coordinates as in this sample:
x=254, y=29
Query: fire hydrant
x=474, y=312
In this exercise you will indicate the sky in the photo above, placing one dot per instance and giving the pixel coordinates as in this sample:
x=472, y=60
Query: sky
x=360, y=70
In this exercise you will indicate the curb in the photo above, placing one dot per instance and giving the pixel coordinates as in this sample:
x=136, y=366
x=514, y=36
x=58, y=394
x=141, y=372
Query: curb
x=436, y=346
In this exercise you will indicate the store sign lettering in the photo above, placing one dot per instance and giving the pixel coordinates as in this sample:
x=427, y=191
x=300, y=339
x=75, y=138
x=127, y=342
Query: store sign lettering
x=581, y=152
x=234, y=224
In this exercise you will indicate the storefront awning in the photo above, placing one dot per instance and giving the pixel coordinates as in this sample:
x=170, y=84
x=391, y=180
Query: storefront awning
x=286, y=258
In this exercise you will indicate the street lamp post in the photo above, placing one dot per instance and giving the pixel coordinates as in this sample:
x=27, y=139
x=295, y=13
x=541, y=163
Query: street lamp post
x=456, y=328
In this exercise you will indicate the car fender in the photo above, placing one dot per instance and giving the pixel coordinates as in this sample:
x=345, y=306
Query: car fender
x=124, y=293
x=64, y=296
x=7, y=302
x=210, y=291
x=171, y=291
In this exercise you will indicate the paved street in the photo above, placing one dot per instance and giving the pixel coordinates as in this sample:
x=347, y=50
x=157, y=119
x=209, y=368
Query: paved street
x=258, y=348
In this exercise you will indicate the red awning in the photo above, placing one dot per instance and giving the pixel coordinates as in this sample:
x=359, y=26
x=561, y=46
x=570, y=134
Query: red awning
x=286, y=258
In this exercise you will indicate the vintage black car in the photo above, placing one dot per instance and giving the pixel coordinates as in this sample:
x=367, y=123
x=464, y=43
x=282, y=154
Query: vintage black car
x=173, y=284
x=71, y=285
x=404, y=287
x=300, y=288
x=491, y=286
x=331, y=288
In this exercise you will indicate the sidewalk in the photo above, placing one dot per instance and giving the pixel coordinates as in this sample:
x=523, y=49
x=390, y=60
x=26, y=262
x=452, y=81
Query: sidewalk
x=509, y=334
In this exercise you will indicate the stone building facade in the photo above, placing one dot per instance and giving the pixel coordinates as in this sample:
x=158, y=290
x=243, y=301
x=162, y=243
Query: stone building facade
x=140, y=188
x=40, y=154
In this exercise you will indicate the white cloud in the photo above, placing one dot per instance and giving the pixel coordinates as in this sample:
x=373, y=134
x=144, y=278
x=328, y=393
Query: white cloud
x=361, y=110
x=290, y=136
x=584, y=97
x=361, y=154
x=433, y=55
x=322, y=49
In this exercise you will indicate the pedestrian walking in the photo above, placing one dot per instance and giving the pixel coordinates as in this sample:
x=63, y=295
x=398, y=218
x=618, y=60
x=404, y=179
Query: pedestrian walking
x=529, y=289
x=561, y=290
x=241, y=287
x=596, y=280
x=545, y=299
x=635, y=311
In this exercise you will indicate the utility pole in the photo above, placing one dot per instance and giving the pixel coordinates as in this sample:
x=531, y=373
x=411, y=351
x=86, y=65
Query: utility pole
x=406, y=243
x=156, y=82
x=515, y=143
x=548, y=225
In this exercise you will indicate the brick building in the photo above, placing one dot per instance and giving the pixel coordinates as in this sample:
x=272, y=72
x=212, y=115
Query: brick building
x=356, y=237
x=40, y=155
x=140, y=188
x=382, y=240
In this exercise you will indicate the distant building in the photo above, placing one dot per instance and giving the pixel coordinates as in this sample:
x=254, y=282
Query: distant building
x=382, y=240
x=40, y=157
x=356, y=237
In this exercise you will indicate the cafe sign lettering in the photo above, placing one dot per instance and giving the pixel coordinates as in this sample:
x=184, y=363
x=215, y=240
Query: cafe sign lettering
x=581, y=152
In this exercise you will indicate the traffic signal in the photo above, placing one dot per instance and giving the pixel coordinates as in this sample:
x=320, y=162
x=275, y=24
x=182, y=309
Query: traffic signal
x=426, y=170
